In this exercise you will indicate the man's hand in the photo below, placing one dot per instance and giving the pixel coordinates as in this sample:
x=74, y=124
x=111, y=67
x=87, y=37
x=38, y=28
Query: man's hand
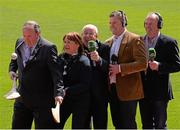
x=94, y=56
x=59, y=99
x=114, y=69
x=154, y=65
x=13, y=75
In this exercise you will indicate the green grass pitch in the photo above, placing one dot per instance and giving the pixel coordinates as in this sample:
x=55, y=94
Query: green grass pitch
x=57, y=17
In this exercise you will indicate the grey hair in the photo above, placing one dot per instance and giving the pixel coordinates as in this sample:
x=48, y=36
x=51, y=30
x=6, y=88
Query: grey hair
x=90, y=26
x=34, y=24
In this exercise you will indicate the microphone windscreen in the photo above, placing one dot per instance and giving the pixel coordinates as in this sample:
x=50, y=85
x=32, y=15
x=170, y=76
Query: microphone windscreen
x=152, y=54
x=114, y=58
x=92, y=45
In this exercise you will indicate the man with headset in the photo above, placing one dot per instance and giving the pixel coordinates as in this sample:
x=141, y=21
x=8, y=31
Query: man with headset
x=156, y=82
x=40, y=84
x=126, y=89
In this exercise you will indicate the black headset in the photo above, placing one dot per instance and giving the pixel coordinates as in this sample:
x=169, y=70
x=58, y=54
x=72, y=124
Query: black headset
x=37, y=28
x=123, y=17
x=160, y=20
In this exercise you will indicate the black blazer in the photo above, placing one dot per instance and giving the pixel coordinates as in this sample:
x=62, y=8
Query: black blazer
x=99, y=83
x=157, y=84
x=39, y=80
x=76, y=75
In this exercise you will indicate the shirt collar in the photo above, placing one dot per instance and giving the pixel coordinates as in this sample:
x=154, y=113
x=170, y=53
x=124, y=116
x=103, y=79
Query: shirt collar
x=120, y=36
x=151, y=43
x=32, y=48
x=154, y=39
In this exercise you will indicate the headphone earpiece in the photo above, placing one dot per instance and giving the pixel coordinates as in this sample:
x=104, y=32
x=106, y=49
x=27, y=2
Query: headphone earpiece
x=124, y=18
x=160, y=20
x=37, y=28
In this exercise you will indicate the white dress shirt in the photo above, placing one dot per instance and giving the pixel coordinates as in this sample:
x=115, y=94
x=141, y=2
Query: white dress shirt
x=116, y=45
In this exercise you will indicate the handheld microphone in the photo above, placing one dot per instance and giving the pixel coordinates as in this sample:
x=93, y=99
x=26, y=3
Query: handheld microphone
x=152, y=54
x=114, y=60
x=92, y=46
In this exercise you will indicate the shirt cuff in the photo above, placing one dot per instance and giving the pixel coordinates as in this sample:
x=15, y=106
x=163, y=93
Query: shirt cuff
x=119, y=68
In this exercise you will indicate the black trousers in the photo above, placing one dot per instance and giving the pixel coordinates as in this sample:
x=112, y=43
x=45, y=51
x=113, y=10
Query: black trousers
x=123, y=113
x=114, y=107
x=99, y=114
x=98, y=111
x=153, y=114
x=23, y=117
x=79, y=107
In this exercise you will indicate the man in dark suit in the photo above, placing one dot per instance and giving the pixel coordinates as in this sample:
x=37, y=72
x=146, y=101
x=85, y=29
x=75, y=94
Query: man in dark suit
x=156, y=80
x=99, y=84
x=40, y=84
x=127, y=87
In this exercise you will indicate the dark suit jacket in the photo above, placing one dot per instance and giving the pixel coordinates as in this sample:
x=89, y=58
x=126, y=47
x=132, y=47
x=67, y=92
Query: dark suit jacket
x=157, y=84
x=99, y=83
x=39, y=80
x=132, y=59
x=76, y=75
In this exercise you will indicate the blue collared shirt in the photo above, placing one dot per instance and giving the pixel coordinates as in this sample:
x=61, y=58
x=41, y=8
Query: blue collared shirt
x=26, y=51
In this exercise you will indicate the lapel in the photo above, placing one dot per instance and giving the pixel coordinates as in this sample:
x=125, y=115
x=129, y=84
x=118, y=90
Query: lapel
x=98, y=46
x=159, y=48
x=123, y=44
x=35, y=51
x=17, y=48
x=109, y=42
x=159, y=42
x=19, y=54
